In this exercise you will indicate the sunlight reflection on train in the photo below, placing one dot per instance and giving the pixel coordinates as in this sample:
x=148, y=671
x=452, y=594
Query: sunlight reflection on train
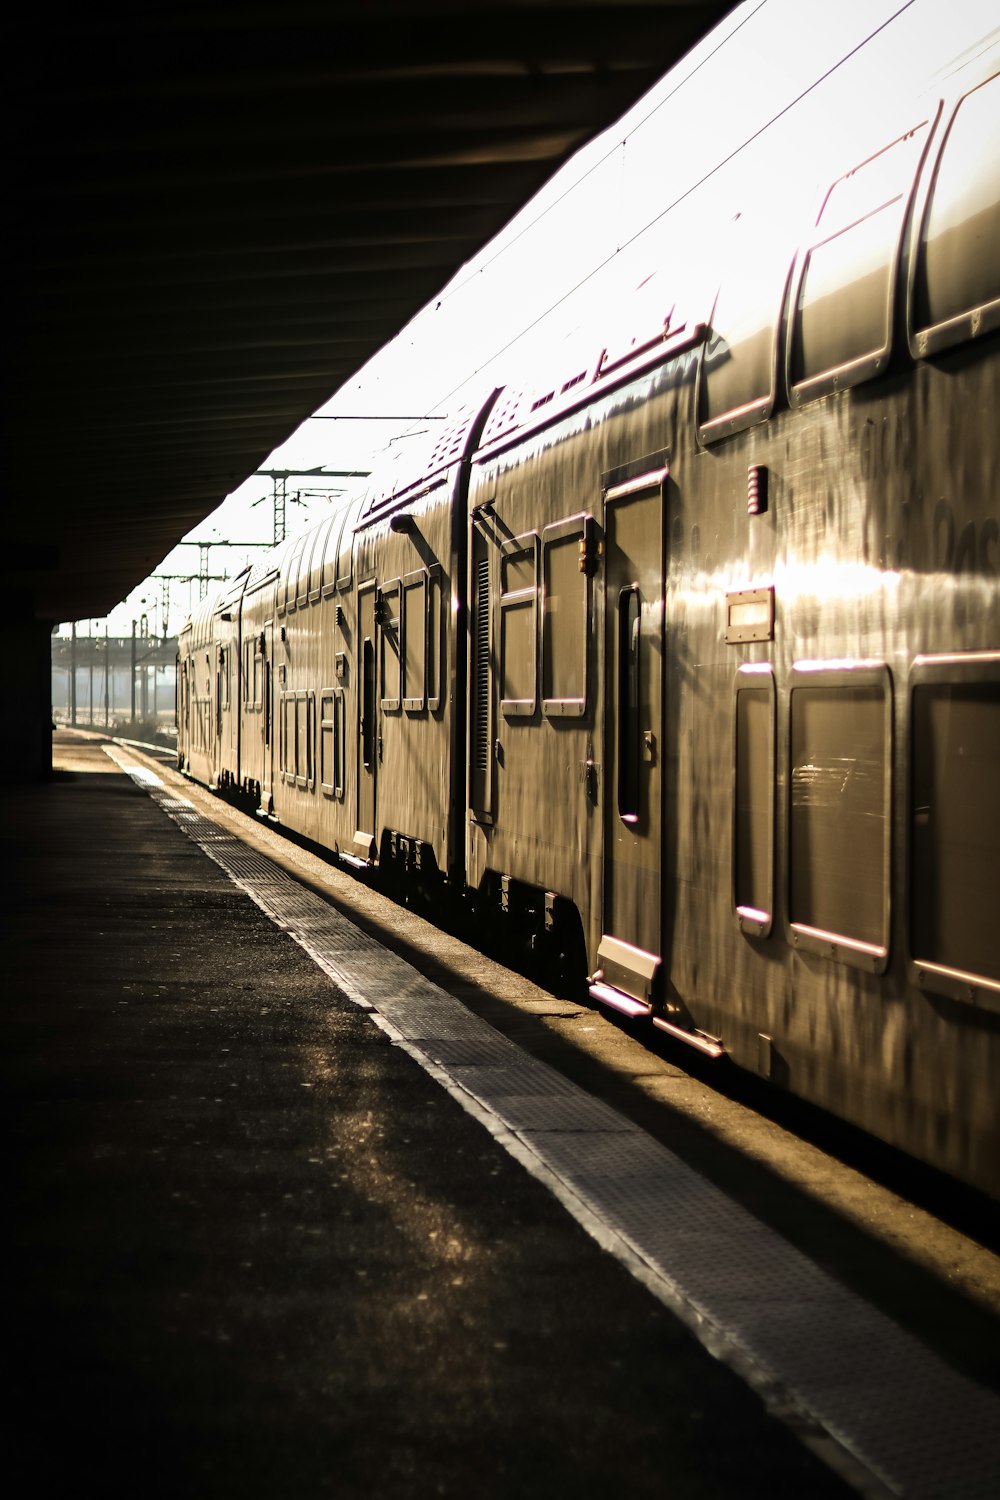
x=829, y=578
x=824, y=580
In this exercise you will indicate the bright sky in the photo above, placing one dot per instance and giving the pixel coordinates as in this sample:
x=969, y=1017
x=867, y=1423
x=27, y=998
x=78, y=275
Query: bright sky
x=611, y=217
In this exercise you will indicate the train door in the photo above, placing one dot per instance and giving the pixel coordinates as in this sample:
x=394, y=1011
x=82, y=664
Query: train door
x=237, y=689
x=368, y=734
x=629, y=954
x=267, y=714
x=219, y=712
x=182, y=712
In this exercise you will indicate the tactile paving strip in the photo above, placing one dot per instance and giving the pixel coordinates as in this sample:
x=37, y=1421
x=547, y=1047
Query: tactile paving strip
x=860, y=1390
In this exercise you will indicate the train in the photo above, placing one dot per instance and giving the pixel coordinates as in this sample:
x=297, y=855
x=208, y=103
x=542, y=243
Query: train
x=680, y=656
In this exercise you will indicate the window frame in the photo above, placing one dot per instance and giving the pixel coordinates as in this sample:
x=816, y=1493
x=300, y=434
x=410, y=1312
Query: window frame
x=873, y=361
x=289, y=586
x=974, y=322
x=293, y=772
x=436, y=638
x=414, y=703
x=752, y=676
x=345, y=558
x=318, y=557
x=581, y=525
x=759, y=409
x=304, y=579
x=513, y=600
x=331, y=553
x=951, y=670
x=391, y=589
x=855, y=952
x=332, y=722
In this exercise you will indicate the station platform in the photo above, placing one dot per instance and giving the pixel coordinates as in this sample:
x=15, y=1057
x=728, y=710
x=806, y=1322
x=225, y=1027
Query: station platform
x=286, y=1223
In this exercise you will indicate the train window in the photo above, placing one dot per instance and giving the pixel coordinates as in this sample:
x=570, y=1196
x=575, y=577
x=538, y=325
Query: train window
x=954, y=826
x=629, y=702
x=305, y=566
x=415, y=641
x=258, y=673
x=304, y=739
x=223, y=678
x=331, y=553
x=331, y=739
x=565, y=616
x=251, y=674
x=753, y=799
x=955, y=274
x=738, y=371
x=345, y=562
x=839, y=811
x=390, y=635
x=296, y=739
x=842, y=322
x=318, y=558
x=288, y=586
x=286, y=737
x=435, y=669
x=519, y=625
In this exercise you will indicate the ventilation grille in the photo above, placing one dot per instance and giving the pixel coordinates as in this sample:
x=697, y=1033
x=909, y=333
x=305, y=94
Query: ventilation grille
x=505, y=416
x=481, y=676
x=452, y=441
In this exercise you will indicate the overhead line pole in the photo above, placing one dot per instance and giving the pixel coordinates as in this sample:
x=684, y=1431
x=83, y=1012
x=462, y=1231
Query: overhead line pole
x=280, y=478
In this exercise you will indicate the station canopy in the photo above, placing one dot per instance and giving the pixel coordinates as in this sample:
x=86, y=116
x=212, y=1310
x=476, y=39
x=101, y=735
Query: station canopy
x=219, y=212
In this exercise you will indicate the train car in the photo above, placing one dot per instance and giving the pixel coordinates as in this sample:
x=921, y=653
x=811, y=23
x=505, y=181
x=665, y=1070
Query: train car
x=252, y=774
x=685, y=657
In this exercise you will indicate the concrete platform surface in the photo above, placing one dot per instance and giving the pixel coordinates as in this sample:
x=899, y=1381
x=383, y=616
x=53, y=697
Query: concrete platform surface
x=258, y=1252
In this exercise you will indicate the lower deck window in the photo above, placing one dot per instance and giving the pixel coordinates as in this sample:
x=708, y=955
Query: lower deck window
x=565, y=617
x=331, y=740
x=391, y=642
x=954, y=818
x=297, y=736
x=414, y=622
x=518, y=625
x=753, y=804
x=839, y=814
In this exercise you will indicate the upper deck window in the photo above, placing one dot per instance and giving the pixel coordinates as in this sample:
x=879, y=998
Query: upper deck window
x=319, y=552
x=842, y=323
x=305, y=566
x=955, y=286
x=288, y=587
x=345, y=563
x=739, y=366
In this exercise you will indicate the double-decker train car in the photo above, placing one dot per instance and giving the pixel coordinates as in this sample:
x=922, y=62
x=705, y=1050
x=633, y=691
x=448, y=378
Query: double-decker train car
x=685, y=658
